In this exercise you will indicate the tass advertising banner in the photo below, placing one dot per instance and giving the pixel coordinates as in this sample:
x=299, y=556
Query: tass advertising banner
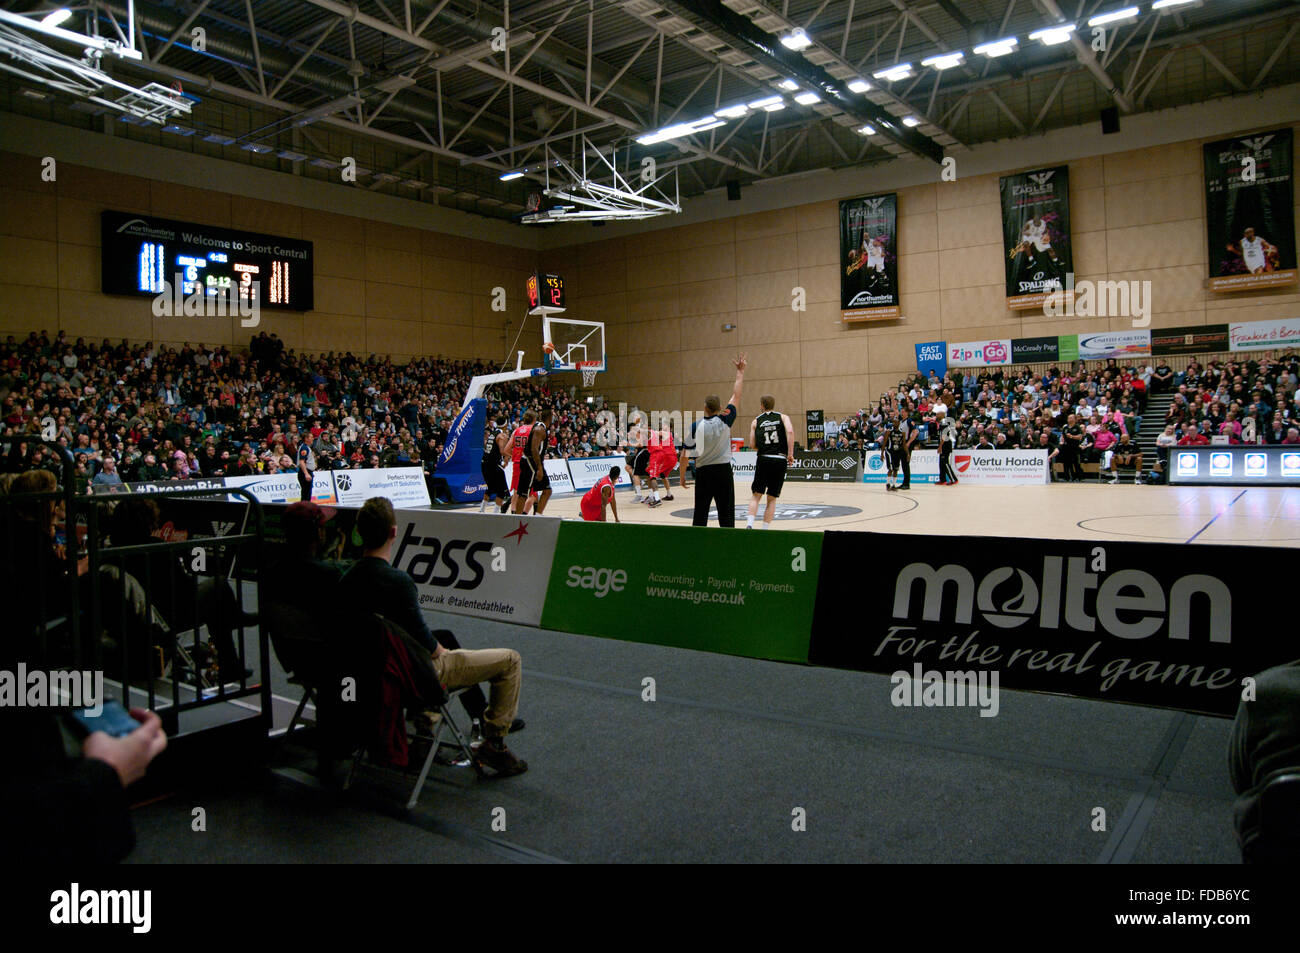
x=738, y=593
x=477, y=564
x=1146, y=623
x=1036, y=233
x=980, y=353
x=869, y=256
x=1250, y=211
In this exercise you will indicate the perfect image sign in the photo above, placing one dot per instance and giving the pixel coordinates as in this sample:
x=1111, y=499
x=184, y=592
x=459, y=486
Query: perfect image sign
x=747, y=594
x=1146, y=623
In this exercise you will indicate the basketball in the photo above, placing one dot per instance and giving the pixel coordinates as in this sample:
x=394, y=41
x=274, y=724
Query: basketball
x=548, y=347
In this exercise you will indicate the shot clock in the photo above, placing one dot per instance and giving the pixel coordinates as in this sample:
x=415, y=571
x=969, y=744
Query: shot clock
x=545, y=294
x=141, y=254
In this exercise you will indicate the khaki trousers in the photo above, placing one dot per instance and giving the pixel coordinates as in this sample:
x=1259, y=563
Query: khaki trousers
x=500, y=668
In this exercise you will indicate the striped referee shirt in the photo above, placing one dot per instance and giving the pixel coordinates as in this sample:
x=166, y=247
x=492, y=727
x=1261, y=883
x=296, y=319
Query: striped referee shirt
x=712, y=437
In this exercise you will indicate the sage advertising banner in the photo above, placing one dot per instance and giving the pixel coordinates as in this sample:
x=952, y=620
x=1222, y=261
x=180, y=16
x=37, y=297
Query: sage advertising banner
x=1147, y=623
x=735, y=592
x=1036, y=233
x=869, y=256
x=1198, y=339
x=1250, y=211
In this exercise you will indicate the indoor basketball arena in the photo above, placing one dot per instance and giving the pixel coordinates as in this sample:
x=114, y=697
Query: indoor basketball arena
x=651, y=431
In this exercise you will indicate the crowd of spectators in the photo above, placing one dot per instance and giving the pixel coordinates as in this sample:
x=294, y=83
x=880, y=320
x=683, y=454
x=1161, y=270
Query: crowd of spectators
x=1253, y=400
x=143, y=413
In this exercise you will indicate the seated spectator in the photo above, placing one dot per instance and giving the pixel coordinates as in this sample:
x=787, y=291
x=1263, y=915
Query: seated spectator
x=372, y=585
x=1265, y=740
x=1126, y=454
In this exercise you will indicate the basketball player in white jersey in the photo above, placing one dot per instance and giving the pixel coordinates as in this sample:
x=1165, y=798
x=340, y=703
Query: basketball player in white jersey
x=1035, y=235
x=1254, y=251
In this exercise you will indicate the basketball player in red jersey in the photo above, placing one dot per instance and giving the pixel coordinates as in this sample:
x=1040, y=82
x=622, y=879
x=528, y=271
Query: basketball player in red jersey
x=593, y=503
x=663, y=461
x=519, y=441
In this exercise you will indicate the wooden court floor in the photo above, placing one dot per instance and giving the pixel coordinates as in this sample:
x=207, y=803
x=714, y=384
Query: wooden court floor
x=1247, y=516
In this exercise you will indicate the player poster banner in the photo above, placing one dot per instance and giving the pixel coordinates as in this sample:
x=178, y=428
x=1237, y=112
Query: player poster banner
x=1263, y=335
x=1036, y=232
x=1250, y=211
x=869, y=256
x=1189, y=339
x=1146, y=623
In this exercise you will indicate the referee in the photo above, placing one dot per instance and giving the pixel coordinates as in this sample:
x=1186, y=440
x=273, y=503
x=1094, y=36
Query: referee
x=712, y=437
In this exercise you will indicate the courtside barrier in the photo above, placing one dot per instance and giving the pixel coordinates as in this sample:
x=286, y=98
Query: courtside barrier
x=738, y=593
x=1156, y=624
x=587, y=471
x=827, y=466
x=404, y=486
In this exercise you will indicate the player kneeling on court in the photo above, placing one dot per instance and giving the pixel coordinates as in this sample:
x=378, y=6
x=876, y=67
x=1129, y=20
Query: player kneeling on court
x=772, y=436
x=594, y=501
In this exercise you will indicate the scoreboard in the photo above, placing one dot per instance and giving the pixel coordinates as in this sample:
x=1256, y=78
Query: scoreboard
x=545, y=294
x=141, y=254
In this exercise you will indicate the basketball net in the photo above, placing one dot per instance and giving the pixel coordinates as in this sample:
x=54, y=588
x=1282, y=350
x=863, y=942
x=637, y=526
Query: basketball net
x=588, y=372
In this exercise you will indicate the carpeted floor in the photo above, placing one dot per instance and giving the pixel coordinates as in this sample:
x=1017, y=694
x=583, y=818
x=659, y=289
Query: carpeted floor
x=723, y=762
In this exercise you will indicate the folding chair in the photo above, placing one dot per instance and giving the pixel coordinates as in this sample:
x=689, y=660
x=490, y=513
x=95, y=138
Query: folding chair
x=1273, y=833
x=299, y=650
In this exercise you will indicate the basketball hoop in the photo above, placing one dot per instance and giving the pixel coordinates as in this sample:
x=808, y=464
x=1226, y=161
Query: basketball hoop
x=589, y=370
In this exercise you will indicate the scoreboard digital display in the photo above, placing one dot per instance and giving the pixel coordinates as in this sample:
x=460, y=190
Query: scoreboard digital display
x=545, y=294
x=143, y=255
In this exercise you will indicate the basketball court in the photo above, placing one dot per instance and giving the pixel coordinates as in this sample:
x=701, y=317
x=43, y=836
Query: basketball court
x=1259, y=516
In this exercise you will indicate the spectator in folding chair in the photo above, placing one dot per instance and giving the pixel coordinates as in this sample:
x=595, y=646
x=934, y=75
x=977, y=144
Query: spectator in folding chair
x=372, y=585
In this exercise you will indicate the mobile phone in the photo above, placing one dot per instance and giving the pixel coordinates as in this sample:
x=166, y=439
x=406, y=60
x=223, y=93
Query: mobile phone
x=112, y=719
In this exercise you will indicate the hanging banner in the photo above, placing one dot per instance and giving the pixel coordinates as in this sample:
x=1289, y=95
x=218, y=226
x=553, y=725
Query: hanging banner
x=1250, y=211
x=869, y=256
x=1036, y=232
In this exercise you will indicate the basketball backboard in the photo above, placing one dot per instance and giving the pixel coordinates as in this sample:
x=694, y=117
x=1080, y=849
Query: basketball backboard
x=579, y=345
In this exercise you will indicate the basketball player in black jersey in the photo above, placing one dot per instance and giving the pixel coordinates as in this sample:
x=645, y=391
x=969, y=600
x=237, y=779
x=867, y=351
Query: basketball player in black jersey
x=532, y=465
x=893, y=450
x=772, y=436
x=493, y=466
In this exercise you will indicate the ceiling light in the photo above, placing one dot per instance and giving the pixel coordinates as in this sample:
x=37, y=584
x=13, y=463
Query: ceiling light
x=415, y=184
x=324, y=163
x=858, y=86
x=56, y=17
x=894, y=73
x=911, y=122
x=217, y=138
x=508, y=176
x=764, y=102
x=775, y=107
x=292, y=156
x=997, y=47
x=1128, y=14
x=1166, y=4
x=732, y=112
x=867, y=130
x=1053, y=35
x=788, y=84
x=807, y=99
x=178, y=130
x=944, y=60
x=797, y=40
x=260, y=148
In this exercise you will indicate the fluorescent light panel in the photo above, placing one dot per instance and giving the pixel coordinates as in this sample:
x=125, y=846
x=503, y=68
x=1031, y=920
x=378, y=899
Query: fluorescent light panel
x=858, y=86
x=1053, y=35
x=944, y=60
x=508, y=176
x=765, y=102
x=894, y=73
x=911, y=122
x=1128, y=13
x=796, y=40
x=997, y=47
x=807, y=99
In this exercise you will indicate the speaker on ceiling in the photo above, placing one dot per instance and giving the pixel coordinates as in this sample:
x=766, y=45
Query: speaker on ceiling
x=733, y=191
x=1109, y=120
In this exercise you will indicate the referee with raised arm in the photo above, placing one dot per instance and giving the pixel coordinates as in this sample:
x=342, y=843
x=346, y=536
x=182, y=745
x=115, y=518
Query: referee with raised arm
x=712, y=435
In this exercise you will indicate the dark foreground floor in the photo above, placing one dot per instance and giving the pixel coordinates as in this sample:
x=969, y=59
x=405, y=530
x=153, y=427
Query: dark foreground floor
x=715, y=767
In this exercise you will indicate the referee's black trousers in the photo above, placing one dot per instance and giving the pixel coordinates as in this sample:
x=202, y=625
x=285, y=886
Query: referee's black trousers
x=946, y=471
x=714, y=484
